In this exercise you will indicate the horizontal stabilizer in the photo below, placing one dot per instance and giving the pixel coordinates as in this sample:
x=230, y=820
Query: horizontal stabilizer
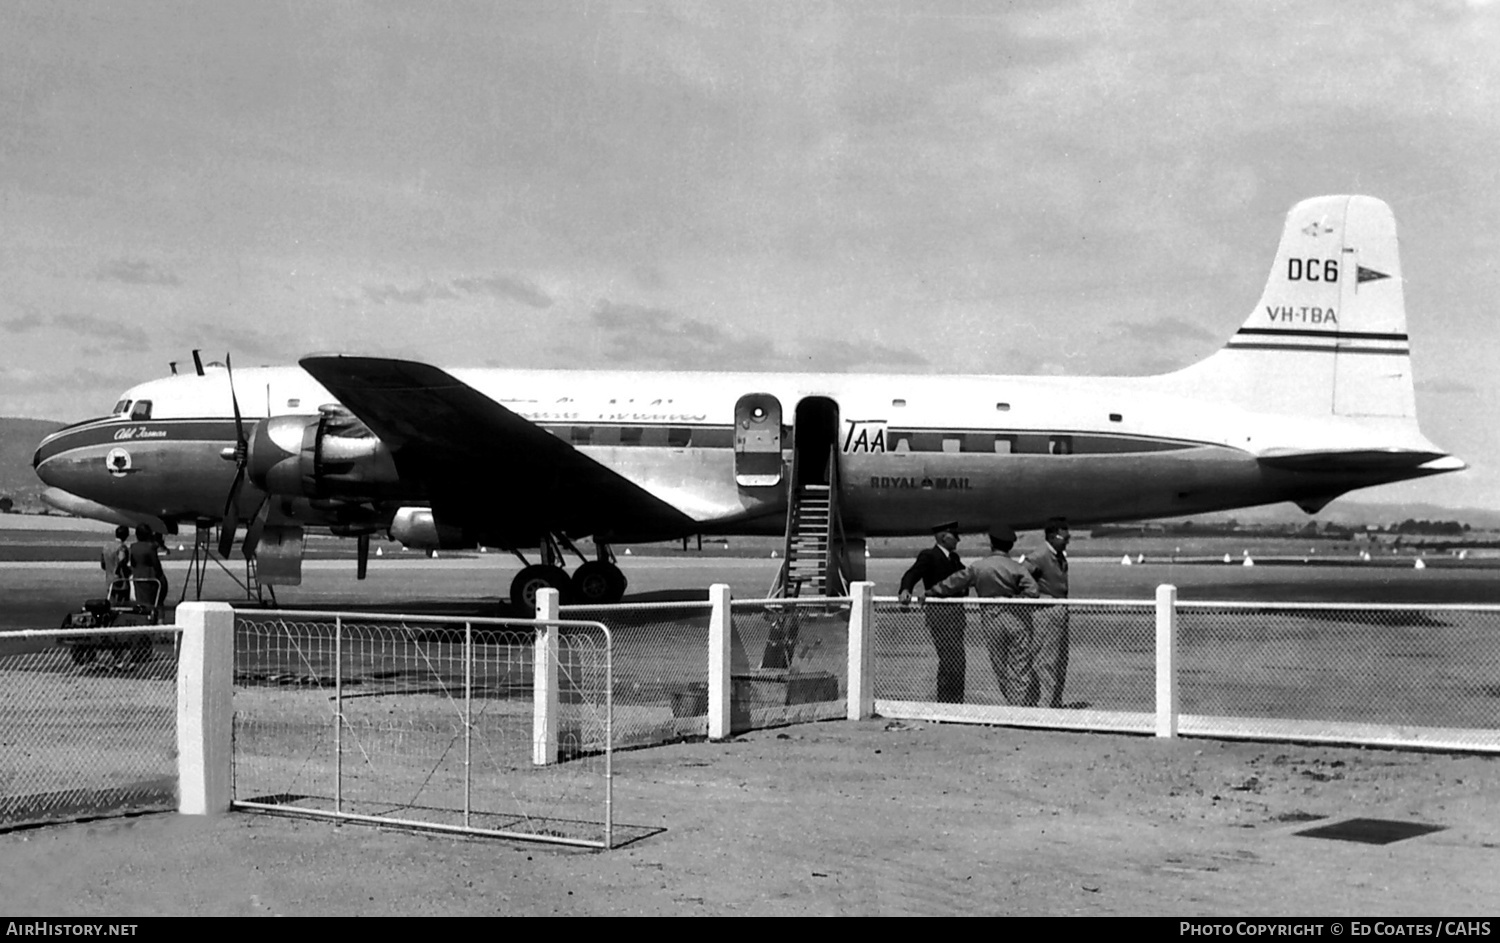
x=1340, y=460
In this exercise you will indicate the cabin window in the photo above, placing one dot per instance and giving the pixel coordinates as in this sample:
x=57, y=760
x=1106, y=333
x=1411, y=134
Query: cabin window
x=951, y=444
x=898, y=403
x=581, y=435
x=1115, y=417
x=293, y=403
x=679, y=437
x=141, y=411
x=1005, y=444
x=1002, y=407
x=630, y=435
x=1060, y=445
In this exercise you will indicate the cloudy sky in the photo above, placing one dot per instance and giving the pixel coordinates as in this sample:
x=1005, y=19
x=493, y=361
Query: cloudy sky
x=1089, y=187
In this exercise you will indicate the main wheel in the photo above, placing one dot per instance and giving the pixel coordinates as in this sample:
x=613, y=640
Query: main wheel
x=598, y=584
x=524, y=587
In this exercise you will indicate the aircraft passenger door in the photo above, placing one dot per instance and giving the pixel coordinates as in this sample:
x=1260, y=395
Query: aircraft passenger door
x=757, y=441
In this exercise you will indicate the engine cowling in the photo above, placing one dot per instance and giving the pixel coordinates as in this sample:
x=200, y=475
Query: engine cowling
x=416, y=528
x=328, y=456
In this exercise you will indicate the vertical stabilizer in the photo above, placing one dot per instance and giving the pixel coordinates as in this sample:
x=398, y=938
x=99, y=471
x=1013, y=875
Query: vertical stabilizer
x=1328, y=336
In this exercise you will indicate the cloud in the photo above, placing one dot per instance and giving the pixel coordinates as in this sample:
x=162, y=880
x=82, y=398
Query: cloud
x=1445, y=385
x=262, y=345
x=22, y=325
x=492, y=286
x=840, y=354
x=1165, y=330
x=500, y=286
x=420, y=295
x=135, y=272
x=646, y=336
x=118, y=335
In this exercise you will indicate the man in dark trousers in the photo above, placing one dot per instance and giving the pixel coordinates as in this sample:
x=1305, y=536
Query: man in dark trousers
x=944, y=623
x=115, y=559
x=1006, y=629
x=146, y=570
x=1049, y=567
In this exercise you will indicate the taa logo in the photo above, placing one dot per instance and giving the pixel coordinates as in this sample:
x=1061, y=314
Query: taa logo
x=1312, y=270
x=864, y=435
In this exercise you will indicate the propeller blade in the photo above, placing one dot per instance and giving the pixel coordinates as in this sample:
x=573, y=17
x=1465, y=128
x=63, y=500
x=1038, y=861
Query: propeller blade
x=363, y=566
x=234, y=401
x=231, y=520
x=256, y=529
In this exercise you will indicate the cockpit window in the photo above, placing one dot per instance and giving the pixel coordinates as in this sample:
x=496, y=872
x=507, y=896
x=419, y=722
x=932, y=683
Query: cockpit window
x=141, y=410
x=121, y=408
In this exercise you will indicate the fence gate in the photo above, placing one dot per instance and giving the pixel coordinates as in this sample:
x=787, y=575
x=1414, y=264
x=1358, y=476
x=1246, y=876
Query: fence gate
x=422, y=722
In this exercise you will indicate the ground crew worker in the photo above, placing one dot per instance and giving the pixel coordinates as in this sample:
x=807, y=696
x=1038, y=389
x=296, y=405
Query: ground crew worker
x=115, y=559
x=1049, y=567
x=1006, y=630
x=146, y=570
x=944, y=623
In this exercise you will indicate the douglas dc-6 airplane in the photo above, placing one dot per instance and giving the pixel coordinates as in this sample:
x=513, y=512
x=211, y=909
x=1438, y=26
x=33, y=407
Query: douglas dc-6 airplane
x=1311, y=398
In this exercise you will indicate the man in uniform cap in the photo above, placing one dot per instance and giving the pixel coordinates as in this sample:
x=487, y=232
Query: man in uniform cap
x=944, y=623
x=1006, y=630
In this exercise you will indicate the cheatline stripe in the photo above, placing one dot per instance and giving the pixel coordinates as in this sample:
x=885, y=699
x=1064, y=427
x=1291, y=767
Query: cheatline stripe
x=1393, y=351
x=1343, y=335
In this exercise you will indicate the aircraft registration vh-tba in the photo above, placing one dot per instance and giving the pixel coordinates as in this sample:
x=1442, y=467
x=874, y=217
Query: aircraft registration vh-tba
x=1311, y=398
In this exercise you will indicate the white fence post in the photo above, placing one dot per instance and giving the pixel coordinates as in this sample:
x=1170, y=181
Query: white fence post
x=720, y=677
x=862, y=651
x=544, y=703
x=205, y=708
x=1166, y=660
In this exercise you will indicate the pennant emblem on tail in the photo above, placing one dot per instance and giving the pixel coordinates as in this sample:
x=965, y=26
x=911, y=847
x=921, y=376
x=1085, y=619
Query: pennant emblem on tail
x=1370, y=275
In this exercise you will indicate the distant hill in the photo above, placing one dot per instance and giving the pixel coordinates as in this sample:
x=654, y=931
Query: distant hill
x=18, y=441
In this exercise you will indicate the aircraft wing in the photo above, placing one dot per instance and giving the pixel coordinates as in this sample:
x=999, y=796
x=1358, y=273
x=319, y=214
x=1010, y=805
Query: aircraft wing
x=486, y=468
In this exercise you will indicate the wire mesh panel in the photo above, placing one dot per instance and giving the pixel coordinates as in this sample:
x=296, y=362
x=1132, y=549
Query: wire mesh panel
x=789, y=661
x=973, y=655
x=1406, y=666
x=661, y=668
x=88, y=723
x=421, y=721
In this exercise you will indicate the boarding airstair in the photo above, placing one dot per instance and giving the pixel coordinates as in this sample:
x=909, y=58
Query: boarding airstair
x=810, y=563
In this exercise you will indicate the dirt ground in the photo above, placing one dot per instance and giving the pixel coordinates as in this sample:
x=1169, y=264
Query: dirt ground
x=875, y=817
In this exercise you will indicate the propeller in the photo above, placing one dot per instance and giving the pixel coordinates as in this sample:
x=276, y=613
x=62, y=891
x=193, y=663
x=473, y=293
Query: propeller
x=241, y=460
x=364, y=557
x=231, y=520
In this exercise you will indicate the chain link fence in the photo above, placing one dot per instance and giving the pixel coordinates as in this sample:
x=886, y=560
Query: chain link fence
x=789, y=661
x=1401, y=666
x=1094, y=655
x=661, y=668
x=424, y=722
x=88, y=723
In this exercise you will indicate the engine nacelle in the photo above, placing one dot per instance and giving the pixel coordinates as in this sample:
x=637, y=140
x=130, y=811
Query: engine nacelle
x=418, y=529
x=330, y=455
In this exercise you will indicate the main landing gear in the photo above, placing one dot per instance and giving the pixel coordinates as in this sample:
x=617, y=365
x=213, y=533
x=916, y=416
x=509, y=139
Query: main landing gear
x=595, y=583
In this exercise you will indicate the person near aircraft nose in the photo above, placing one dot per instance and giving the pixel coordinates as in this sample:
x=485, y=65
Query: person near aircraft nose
x=944, y=623
x=146, y=570
x=1006, y=630
x=1049, y=567
x=115, y=559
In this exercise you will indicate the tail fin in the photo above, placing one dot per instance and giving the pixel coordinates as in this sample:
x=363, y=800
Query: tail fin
x=1329, y=334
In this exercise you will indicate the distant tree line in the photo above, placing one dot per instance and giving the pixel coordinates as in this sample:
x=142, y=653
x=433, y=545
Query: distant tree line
x=1313, y=529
